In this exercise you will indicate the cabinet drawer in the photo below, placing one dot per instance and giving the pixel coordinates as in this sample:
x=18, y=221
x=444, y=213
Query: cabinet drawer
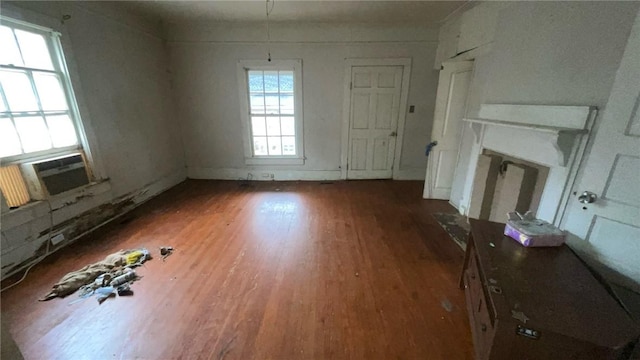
x=484, y=329
x=475, y=284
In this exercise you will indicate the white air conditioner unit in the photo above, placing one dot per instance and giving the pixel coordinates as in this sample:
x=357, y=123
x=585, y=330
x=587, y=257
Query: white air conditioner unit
x=54, y=176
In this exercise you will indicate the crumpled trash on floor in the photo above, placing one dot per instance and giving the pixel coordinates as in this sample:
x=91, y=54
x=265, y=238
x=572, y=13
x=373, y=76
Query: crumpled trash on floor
x=119, y=281
x=137, y=257
x=124, y=290
x=104, y=293
x=100, y=274
x=165, y=251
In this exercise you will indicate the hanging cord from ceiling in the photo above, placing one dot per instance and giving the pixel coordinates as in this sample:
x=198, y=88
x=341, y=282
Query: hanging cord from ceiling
x=269, y=8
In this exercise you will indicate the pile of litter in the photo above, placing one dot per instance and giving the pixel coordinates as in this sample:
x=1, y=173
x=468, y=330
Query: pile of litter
x=104, y=279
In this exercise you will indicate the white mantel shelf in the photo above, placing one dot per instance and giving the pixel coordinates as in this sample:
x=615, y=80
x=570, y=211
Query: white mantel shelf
x=543, y=128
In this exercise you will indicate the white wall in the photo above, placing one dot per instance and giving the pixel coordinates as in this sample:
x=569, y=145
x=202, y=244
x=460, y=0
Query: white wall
x=204, y=58
x=119, y=70
x=554, y=53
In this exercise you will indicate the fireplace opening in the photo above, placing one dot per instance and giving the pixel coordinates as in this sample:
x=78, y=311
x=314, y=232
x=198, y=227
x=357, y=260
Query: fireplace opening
x=503, y=184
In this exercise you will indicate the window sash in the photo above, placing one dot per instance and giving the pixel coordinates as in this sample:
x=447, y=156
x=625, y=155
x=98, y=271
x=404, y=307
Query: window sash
x=246, y=89
x=278, y=139
x=54, y=48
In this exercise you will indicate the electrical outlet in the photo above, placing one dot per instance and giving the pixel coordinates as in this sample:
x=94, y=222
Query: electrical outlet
x=57, y=239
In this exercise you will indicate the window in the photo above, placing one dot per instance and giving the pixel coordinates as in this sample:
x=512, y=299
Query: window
x=272, y=112
x=37, y=115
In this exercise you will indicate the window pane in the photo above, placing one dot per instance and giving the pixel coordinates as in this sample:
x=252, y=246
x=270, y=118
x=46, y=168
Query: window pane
x=17, y=88
x=9, y=141
x=34, y=50
x=255, y=81
x=62, y=131
x=273, y=126
x=286, y=104
x=272, y=104
x=271, y=81
x=288, y=125
x=257, y=126
x=257, y=104
x=272, y=93
x=275, y=146
x=10, y=55
x=286, y=81
x=33, y=133
x=50, y=92
x=260, y=145
x=288, y=145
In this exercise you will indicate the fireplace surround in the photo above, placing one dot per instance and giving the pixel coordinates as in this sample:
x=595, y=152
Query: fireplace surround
x=553, y=137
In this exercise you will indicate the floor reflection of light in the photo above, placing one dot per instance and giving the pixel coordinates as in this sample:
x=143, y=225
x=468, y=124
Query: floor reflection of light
x=280, y=203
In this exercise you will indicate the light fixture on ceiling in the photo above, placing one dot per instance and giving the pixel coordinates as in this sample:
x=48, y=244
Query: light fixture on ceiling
x=269, y=7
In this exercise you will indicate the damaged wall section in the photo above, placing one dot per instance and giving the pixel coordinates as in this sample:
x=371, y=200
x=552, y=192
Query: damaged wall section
x=32, y=232
x=119, y=69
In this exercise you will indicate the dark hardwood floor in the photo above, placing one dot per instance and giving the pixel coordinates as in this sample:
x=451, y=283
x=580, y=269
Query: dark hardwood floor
x=272, y=270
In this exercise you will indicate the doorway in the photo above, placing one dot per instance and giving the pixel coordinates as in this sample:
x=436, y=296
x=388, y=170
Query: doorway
x=374, y=117
x=451, y=102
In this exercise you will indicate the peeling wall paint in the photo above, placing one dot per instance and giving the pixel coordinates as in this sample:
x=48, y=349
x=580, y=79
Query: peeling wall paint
x=26, y=243
x=19, y=252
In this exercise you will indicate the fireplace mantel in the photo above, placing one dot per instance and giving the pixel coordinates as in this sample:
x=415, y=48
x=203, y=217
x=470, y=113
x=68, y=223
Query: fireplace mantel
x=548, y=135
x=555, y=127
x=561, y=139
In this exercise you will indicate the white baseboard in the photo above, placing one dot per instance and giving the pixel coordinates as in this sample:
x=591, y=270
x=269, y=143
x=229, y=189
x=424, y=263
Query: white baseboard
x=261, y=174
x=410, y=174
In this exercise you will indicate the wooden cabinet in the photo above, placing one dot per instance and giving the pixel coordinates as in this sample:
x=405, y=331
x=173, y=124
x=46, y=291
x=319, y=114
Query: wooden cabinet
x=538, y=303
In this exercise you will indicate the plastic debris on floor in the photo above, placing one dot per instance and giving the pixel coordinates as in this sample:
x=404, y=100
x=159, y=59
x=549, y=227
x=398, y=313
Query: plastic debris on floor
x=165, y=251
x=104, y=279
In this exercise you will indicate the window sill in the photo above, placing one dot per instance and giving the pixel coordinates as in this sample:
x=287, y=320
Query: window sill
x=274, y=161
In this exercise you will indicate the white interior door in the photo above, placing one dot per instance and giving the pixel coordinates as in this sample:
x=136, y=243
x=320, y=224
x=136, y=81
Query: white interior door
x=609, y=228
x=451, y=98
x=373, y=124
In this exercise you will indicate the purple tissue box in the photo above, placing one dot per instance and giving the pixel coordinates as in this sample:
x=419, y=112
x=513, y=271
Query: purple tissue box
x=534, y=233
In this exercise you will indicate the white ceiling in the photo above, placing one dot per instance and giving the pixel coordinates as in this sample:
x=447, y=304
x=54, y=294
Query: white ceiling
x=390, y=12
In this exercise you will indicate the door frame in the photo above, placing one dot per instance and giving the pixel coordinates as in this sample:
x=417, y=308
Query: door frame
x=349, y=63
x=440, y=113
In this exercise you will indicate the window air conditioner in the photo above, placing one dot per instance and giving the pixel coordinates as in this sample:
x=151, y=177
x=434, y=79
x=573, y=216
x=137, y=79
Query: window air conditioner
x=54, y=176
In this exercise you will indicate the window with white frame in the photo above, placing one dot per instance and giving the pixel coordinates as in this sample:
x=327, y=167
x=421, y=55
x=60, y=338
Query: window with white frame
x=36, y=112
x=272, y=112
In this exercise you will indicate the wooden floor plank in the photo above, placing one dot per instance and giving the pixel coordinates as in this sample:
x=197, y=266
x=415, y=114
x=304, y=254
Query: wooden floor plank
x=262, y=270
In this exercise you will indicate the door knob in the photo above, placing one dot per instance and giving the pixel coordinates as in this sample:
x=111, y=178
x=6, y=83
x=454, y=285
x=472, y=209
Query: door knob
x=587, y=197
x=393, y=134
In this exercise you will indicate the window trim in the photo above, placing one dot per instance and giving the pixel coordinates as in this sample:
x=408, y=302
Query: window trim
x=54, y=44
x=243, y=86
